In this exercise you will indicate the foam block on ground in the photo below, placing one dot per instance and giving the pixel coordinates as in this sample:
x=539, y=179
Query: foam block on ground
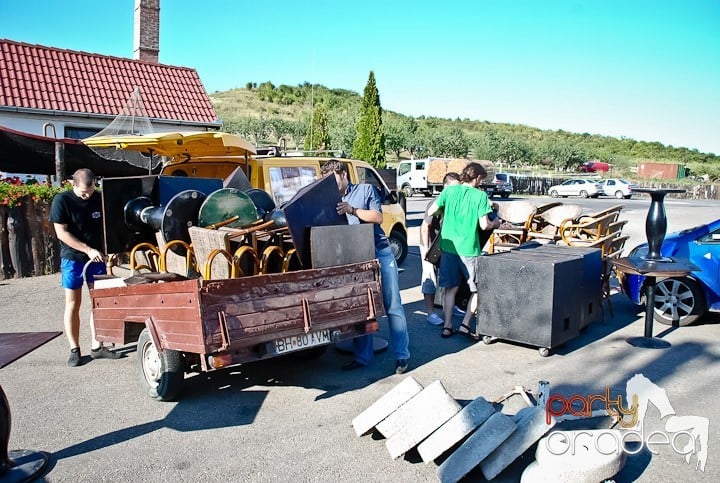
x=455, y=429
x=384, y=406
x=433, y=394
x=531, y=427
x=477, y=447
x=425, y=419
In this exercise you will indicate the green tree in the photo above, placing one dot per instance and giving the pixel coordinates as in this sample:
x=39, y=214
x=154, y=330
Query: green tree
x=318, y=136
x=298, y=128
x=457, y=144
x=342, y=131
x=369, y=144
x=397, y=136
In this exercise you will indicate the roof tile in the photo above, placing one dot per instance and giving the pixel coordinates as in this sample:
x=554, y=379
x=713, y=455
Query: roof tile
x=35, y=76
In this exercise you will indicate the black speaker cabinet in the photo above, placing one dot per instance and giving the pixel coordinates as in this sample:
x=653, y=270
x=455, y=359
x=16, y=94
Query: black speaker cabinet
x=536, y=296
x=591, y=286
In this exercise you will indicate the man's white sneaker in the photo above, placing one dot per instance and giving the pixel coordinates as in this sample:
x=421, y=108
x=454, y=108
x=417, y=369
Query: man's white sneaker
x=435, y=319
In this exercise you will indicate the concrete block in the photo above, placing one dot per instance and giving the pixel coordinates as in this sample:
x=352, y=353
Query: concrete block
x=405, y=415
x=386, y=405
x=577, y=456
x=531, y=427
x=477, y=447
x=425, y=418
x=455, y=429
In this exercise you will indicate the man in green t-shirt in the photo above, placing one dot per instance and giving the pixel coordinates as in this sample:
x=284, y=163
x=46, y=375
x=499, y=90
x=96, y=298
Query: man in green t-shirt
x=464, y=207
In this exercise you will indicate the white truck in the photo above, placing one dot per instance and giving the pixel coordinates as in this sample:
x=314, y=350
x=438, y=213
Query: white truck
x=426, y=175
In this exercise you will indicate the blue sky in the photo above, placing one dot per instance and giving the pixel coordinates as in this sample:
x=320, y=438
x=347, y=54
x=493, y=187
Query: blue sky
x=647, y=70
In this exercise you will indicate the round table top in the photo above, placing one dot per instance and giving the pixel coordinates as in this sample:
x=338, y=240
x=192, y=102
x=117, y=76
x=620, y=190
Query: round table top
x=659, y=190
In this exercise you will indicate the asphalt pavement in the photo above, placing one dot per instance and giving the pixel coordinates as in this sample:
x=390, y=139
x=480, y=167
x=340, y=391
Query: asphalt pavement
x=290, y=420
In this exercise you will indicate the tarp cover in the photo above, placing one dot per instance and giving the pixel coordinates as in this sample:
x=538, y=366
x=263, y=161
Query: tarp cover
x=29, y=153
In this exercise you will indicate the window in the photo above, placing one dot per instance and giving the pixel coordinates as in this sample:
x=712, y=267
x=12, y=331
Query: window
x=712, y=237
x=404, y=168
x=420, y=165
x=286, y=181
x=80, y=132
x=368, y=176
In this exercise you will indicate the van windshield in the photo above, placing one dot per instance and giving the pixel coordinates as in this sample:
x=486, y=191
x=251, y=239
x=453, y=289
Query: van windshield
x=285, y=181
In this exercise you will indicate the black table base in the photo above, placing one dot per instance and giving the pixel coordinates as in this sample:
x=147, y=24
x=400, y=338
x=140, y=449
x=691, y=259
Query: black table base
x=654, y=264
x=648, y=342
x=18, y=465
x=28, y=466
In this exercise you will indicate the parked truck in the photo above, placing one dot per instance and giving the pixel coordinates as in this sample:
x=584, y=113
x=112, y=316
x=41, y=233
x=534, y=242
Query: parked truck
x=426, y=175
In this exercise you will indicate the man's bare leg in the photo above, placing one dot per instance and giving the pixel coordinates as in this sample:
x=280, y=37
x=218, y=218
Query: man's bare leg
x=469, y=313
x=71, y=316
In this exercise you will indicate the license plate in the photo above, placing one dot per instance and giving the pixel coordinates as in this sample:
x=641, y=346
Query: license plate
x=304, y=341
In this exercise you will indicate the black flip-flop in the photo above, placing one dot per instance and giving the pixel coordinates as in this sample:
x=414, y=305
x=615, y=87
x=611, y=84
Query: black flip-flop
x=470, y=334
x=447, y=332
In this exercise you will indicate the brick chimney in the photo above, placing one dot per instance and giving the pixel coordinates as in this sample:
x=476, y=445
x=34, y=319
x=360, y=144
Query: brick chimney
x=147, y=30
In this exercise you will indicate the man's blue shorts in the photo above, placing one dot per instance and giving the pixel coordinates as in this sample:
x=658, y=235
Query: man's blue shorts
x=454, y=269
x=72, y=273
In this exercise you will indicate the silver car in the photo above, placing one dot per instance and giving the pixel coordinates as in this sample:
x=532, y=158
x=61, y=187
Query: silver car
x=583, y=188
x=617, y=187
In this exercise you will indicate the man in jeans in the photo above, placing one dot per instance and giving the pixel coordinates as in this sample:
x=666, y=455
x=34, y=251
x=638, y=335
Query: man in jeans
x=77, y=217
x=361, y=204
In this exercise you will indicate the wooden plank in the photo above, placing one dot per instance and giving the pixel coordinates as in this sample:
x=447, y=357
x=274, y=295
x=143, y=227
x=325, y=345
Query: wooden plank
x=272, y=289
x=167, y=313
x=280, y=302
x=299, y=281
x=252, y=329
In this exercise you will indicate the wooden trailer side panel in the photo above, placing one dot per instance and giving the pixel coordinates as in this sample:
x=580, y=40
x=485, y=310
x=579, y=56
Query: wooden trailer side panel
x=267, y=307
x=174, y=308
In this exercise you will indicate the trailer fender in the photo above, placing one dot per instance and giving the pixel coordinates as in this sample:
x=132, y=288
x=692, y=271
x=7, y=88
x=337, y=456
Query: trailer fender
x=150, y=324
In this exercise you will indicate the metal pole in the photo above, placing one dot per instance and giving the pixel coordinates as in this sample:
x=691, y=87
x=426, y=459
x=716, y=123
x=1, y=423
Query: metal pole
x=59, y=161
x=649, y=306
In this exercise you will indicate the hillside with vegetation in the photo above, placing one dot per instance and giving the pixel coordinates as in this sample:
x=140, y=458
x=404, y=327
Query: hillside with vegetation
x=269, y=114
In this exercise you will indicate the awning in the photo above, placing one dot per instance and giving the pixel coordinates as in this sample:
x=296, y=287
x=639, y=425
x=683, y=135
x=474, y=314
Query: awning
x=22, y=152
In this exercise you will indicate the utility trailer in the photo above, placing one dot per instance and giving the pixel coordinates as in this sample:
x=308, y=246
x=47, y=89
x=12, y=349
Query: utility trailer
x=195, y=325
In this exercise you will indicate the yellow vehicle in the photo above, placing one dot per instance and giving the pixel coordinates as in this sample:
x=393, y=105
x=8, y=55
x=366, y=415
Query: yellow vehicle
x=217, y=155
x=283, y=175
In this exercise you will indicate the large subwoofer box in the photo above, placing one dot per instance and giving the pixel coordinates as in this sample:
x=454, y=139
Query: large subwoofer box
x=591, y=285
x=541, y=296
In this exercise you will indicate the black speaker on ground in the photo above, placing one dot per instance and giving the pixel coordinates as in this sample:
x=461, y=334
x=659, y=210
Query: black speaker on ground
x=591, y=285
x=534, y=296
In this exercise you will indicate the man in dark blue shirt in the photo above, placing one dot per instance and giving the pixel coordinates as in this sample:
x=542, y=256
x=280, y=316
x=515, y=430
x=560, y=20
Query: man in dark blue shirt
x=77, y=218
x=361, y=204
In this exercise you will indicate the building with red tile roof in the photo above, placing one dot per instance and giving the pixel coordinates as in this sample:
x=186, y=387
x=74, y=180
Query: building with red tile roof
x=79, y=93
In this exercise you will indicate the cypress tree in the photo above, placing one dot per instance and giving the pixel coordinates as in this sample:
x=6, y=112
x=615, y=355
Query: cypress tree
x=369, y=144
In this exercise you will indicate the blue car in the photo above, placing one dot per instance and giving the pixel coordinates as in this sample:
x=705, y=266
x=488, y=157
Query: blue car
x=683, y=300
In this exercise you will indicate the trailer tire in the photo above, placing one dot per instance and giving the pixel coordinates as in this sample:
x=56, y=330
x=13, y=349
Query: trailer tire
x=161, y=373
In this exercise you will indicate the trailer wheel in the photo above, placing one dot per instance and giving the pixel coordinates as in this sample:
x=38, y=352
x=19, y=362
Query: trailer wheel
x=161, y=373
